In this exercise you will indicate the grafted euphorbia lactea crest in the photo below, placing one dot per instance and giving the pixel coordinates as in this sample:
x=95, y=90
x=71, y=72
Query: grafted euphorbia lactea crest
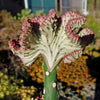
x=52, y=37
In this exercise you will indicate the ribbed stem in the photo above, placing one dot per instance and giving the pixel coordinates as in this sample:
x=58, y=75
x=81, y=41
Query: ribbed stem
x=50, y=90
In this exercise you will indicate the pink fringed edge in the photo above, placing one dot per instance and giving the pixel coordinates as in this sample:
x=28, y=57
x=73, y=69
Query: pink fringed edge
x=14, y=44
x=51, y=15
x=68, y=16
x=84, y=40
x=70, y=33
x=73, y=54
x=87, y=37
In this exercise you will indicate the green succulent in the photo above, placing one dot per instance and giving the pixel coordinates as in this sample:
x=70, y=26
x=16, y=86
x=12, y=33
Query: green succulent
x=54, y=38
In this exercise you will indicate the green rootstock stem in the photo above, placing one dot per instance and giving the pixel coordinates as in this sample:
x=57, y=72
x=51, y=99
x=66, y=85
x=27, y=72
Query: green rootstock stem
x=50, y=92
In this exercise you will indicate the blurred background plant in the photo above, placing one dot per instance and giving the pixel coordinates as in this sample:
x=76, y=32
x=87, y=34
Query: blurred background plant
x=9, y=28
x=75, y=74
x=25, y=92
x=27, y=13
x=36, y=71
x=93, y=24
x=11, y=25
x=13, y=89
x=6, y=88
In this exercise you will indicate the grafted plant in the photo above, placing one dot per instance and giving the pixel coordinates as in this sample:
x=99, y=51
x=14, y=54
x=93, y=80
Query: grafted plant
x=54, y=38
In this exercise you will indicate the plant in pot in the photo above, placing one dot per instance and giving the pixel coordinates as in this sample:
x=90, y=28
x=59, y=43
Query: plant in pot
x=54, y=38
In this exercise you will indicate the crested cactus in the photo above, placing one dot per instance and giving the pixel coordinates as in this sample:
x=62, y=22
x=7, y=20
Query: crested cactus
x=54, y=38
